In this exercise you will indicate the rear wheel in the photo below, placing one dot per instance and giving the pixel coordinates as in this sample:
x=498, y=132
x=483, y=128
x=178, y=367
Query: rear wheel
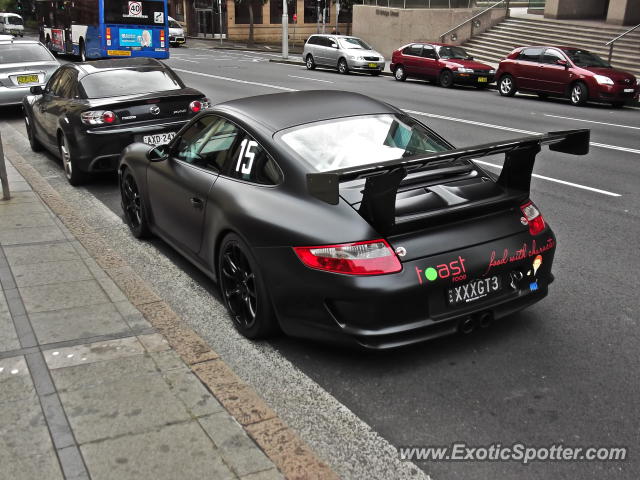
x=506, y=86
x=400, y=74
x=343, y=67
x=310, y=62
x=133, y=206
x=74, y=175
x=446, y=79
x=579, y=94
x=36, y=146
x=243, y=289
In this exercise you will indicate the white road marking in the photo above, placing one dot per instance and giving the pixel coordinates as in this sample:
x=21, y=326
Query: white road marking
x=229, y=79
x=184, y=60
x=555, y=180
x=517, y=130
x=308, y=78
x=592, y=121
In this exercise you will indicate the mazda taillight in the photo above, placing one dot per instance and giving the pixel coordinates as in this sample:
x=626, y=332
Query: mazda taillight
x=534, y=218
x=373, y=257
x=195, y=106
x=98, y=117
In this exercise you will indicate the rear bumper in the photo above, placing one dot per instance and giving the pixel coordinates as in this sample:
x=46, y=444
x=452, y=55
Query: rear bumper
x=13, y=95
x=98, y=149
x=177, y=40
x=387, y=311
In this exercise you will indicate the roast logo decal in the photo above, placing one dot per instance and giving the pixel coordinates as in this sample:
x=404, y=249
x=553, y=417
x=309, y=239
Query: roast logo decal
x=526, y=251
x=454, y=270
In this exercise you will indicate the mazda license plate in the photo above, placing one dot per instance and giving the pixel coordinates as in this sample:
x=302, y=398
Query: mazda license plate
x=25, y=79
x=482, y=79
x=474, y=290
x=159, y=138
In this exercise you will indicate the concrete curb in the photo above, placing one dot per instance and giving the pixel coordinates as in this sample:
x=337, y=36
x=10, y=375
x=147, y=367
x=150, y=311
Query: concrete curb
x=291, y=455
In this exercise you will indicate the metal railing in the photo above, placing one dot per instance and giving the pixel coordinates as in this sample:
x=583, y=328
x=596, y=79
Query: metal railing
x=473, y=19
x=420, y=3
x=612, y=42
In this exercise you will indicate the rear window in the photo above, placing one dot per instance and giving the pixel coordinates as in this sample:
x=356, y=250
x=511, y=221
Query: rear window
x=24, y=53
x=363, y=140
x=114, y=83
x=129, y=12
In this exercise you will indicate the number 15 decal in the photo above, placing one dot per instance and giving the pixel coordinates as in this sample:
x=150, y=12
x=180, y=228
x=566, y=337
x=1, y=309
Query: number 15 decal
x=245, y=159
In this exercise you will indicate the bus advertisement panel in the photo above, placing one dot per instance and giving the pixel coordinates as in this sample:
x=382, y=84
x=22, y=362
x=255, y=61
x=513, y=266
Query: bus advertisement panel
x=105, y=28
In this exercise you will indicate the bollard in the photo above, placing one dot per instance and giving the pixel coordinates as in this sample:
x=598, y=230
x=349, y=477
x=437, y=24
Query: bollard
x=3, y=174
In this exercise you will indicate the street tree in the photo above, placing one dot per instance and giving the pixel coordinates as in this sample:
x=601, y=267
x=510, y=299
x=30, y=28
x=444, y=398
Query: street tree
x=251, y=4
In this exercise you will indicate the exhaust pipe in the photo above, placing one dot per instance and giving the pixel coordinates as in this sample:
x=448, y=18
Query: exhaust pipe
x=485, y=319
x=468, y=325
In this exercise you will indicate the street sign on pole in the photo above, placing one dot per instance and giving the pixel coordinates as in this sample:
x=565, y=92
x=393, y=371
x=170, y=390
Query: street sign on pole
x=285, y=30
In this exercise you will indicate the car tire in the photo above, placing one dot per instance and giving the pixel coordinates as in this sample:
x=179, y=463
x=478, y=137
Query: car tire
x=310, y=62
x=617, y=104
x=446, y=79
x=74, y=176
x=579, y=94
x=400, y=74
x=35, y=145
x=343, y=68
x=507, y=86
x=243, y=289
x=133, y=207
x=83, y=51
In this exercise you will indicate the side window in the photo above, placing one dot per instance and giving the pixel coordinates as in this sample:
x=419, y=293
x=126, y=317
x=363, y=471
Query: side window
x=428, y=52
x=312, y=41
x=66, y=88
x=54, y=80
x=208, y=143
x=530, y=54
x=552, y=56
x=413, y=50
x=253, y=164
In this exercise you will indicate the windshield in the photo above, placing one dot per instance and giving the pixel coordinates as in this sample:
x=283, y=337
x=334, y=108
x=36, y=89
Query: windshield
x=114, y=83
x=24, y=53
x=174, y=24
x=352, y=42
x=582, y=58
x=14, y=21
x=453, y=52
x=364, y=140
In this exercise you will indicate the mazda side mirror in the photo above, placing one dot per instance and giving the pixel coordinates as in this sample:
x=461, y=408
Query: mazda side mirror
x=158, y=154
x=36, y=90
x=562, y=62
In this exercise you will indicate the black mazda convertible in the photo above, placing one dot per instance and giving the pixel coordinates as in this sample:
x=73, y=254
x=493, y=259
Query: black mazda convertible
x=333, y=216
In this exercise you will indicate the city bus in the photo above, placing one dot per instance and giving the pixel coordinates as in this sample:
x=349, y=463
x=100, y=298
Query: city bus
x=93, y=29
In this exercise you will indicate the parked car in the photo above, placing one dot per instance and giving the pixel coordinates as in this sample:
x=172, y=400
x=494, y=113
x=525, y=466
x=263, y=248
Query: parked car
x=88, y=112
x=23, y=64
x=565, y=72
x=342, y=52
x=446, y=64
x=338, y=217
x=176, y=33
x=11, y=24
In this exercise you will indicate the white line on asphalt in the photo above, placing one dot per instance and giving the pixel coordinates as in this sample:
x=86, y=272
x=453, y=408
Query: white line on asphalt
x=236, y=80
x=308, y=78
x=555, y=180
x=592, y=121
x=517, y=130
x=184, y=60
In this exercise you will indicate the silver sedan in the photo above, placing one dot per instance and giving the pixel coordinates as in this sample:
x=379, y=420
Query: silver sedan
x=23, y=64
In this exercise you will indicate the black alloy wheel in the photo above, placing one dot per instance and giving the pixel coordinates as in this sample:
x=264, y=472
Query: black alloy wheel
x=446, y=79
x=243, y=291
x=133, y=206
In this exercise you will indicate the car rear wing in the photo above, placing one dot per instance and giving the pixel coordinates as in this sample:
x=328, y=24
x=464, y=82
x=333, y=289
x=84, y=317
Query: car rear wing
x=383, y=179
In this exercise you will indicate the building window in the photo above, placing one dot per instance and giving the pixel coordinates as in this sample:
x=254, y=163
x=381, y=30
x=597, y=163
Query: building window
x=275, y=10
x=242, y=12
x=311, y=8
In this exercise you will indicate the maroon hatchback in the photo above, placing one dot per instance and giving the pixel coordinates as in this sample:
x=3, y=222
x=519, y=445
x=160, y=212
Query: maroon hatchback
x=567, y=72
x=445, y=64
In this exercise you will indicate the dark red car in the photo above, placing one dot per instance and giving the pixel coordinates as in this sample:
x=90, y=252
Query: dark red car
x=445, y=64
x=567, y=72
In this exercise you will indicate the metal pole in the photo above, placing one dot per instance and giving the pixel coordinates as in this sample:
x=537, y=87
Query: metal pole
x=3, y=174
x=610, y=54
x=285, y=30
x=337, y=14
x=220, y=16
x=318, y=18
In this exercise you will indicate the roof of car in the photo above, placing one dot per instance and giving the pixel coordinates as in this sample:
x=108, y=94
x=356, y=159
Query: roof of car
x=15, y=40
x=283, y=110
x=116, y=63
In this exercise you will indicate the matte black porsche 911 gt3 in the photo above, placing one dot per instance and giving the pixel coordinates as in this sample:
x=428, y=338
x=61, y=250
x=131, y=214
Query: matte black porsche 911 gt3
x=338, y=217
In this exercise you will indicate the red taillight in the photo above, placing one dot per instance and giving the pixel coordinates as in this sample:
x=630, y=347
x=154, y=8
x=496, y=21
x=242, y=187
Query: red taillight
x=374, y=257
x=195, y=106
x=534, y=218
x=108, y=117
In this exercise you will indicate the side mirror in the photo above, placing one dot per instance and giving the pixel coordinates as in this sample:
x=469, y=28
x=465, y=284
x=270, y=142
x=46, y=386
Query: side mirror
x=469, y=58
x=158, y=154
x=562, y=62
x=334, y=45
x=36, y=90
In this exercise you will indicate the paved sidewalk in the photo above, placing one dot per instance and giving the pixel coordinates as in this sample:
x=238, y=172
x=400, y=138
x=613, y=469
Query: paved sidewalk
x=88, y=388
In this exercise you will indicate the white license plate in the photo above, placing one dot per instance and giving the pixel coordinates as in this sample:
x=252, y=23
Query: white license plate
x=474, y=290
x=159, y=138
x=628, y=90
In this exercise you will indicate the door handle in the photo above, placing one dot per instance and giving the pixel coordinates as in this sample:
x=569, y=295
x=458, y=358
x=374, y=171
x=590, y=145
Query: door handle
x=196, y=202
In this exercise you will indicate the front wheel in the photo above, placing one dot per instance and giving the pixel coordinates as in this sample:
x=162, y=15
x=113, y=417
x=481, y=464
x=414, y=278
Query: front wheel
x=133, y=206
x=35, y=145
x=243, y=289
x=310, y=62
x=506, y=86
x=74, y=176
x=400, y=74
x=446, y=79
x=343, y=67
x=579, y=94
x=617, y=104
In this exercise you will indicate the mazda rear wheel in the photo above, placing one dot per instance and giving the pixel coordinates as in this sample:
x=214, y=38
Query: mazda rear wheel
x=74, y=176
x=133, y=206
